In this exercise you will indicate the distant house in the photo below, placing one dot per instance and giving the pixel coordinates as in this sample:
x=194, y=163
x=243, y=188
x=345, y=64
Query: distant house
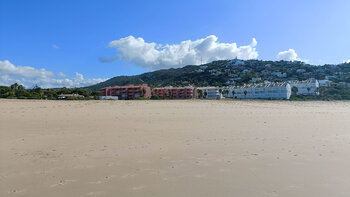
x=326, y=83
x=306, y=87
x=277, y=74
x=69, y=96
x=200, y=70
x=245, y=71
x=330, y=77
x=239, y=62
x=203, y=67
x=230, y=82
x=235, y=62
x=127, y=92
x=254, y=80
x=320, y=70
x=232, y=75
x=261, y=91
x=301, y=70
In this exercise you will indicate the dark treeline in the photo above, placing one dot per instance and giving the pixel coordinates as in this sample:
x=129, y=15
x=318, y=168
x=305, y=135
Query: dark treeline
x=18, y=91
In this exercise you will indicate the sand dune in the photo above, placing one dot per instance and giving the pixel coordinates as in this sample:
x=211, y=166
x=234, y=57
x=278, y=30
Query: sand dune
x=174, y=148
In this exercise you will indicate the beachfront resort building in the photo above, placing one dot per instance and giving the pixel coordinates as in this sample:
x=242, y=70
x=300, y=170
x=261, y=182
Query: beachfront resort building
x=306, y=87
x=174, y=92
x=127, y=92
x=261, y=91
x=209, y=93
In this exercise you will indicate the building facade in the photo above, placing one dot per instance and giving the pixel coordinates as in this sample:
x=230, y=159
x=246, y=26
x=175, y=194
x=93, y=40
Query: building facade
x=261, y=91
x=306, y=87
x=174, y=92
x=127, y=92
x=209, y=93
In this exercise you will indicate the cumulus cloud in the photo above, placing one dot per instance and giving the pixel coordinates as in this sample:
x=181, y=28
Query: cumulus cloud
x=155, y=56
x=55, y=46
x=347, y=61
x=289, y=55
x=29, y=76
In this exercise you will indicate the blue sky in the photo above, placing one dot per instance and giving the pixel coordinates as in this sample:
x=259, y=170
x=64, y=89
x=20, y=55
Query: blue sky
x=70, y=37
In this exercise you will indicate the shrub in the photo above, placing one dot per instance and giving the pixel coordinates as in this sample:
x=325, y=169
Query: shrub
x=141, y=98
x=154, y=97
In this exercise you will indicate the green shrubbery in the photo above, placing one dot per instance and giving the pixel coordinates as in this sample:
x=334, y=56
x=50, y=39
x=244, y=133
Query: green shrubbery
x=141, y=98
x=18, y=91
x=154, y=97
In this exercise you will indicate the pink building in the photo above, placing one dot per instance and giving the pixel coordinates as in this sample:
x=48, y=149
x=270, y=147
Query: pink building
x=127, y=92
x=174, y=92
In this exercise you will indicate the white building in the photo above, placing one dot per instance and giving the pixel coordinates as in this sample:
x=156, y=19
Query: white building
x=108, y=98
x=203, y=67
x=330, y=77
x=301, y=70
x=261, y=91
x=307, y=87
x=245, y=71
x=324, y=82
x=210, y=93
x=254, y=80
x=279, y=74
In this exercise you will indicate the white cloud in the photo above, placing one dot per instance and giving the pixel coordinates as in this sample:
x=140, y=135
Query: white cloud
x=55, y=46
x=155, y=56
x=347, y=61
x=29, y=76
x=289, y=55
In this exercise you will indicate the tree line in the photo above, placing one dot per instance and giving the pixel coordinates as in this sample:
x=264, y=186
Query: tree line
x=18, y=91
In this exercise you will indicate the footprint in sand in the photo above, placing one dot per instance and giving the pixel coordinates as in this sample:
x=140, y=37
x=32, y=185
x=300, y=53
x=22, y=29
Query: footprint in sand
x=62, y=182
x=15, y=191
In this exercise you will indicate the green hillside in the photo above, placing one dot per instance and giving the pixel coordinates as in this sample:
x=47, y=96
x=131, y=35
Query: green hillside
x=227, y=72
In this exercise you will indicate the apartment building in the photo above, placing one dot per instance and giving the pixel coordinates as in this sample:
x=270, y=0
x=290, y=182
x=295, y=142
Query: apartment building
x=261, y=91
x=209, y=93
x=306, y=87
x=127, y=92
x=174, y=92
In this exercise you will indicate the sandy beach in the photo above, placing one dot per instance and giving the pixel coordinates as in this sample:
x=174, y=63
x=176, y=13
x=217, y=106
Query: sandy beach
x=174, y=148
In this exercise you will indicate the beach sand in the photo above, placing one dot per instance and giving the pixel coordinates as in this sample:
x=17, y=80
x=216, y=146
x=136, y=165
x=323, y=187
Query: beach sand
x=174, y=148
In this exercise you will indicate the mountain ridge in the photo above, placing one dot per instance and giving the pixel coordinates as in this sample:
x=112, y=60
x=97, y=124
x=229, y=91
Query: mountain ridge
x=228, y=72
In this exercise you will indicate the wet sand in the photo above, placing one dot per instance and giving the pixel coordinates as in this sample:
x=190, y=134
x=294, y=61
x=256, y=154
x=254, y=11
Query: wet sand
x=174, y=148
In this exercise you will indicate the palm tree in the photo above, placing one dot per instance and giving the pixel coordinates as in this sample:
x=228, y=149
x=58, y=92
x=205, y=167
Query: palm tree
x=200, y=93
x=205, y=94
x=245, y=92
x=20, y=88
x=294, y=90
x=233, y=94
x=308, y=89
x=14, y=87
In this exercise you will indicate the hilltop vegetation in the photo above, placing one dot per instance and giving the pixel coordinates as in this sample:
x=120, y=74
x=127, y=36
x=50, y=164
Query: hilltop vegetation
x=228, y=72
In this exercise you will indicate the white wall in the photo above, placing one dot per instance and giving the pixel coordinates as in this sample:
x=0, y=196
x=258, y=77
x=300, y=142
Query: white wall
x=282, y=92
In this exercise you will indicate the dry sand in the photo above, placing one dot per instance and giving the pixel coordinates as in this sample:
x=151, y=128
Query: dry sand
x=174, y=148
